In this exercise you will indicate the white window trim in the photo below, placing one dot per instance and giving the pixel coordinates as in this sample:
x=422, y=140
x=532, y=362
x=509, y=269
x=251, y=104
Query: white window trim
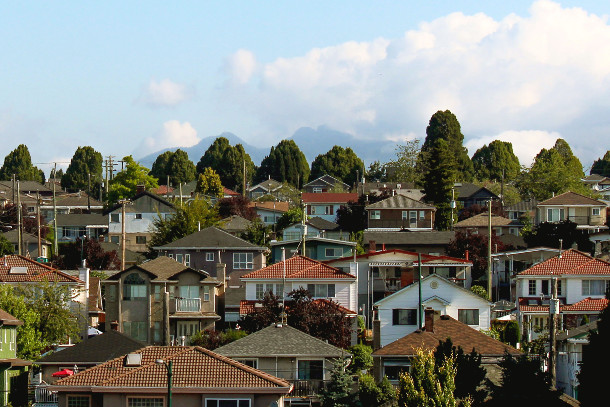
x=209, y=256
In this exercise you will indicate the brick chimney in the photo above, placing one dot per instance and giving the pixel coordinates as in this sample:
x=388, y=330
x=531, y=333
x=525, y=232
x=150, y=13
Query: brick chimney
x=114, y=325
x=376, y=330
x=140, y=189
x=372, y=246
x=429, y=319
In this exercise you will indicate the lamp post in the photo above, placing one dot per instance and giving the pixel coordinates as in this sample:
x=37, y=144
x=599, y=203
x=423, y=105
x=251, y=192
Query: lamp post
x=168, y=366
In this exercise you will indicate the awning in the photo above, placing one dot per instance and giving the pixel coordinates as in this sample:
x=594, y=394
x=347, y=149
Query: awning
x=63, y=373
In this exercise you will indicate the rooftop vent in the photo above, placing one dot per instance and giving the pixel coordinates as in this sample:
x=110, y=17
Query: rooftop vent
x=18, y=270
x=133, y=360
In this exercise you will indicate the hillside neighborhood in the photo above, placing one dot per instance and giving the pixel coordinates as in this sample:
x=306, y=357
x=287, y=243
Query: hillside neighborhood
x=229, y=283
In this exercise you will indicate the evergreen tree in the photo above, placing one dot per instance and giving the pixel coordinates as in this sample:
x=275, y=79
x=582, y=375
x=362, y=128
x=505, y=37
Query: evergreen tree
x=376, y=172
x=285, y=163
x=124, y=184
x=548, y=234
x=85, y=162
x=338, y=391
x=176, y=165
x=439, y=180
x=228, y=161
x=19, y=163
x=208, y=183
x=341, y=163
x=601, y=166
x=496, y=161
x=159, y=167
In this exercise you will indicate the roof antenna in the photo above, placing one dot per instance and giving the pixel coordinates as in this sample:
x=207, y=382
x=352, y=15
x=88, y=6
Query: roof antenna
x=5, y=264
x=560, y=247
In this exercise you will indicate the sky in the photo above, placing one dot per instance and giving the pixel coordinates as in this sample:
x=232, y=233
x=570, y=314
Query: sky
x=139, y=76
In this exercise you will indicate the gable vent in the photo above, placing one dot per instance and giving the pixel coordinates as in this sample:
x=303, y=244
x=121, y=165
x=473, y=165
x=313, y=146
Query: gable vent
x=18, y=270
x=133, y=360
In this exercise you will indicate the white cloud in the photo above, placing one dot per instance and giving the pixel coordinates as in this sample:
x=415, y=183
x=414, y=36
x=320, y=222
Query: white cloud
x=173, y=134
x=165, y=93
x=549, y=70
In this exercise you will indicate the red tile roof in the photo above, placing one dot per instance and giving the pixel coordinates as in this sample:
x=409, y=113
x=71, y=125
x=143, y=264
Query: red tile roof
x=329, y=197
x=426, y=258
x=587, y=305
x=299, y=267
x=192, y=368
x=34, y=271
x=248, y=306
x=571, y=262
x=230, y=192
x=571, y=198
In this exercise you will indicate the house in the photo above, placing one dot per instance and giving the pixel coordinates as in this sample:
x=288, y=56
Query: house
x=326, y=204
x=314, y=226
x=325, y=183
x=389, y=188
x=285, y=352
x=270, y=187
x=385, y=272
x=398, y=313
x=596, y=182
x=523, y=208
x=400, y=212
x=479, y=224
x=79, y=202
x=395, y=357
x=30, y=244
x=582, y=282
x=74, y=226
x=235, y=224
x=321, y=280
x=199, y=378
x=140, y=214
x=316, y=248
x=570, y=346
x=222, y=255
x=161, y=301
x=131, y=257
x=95, y=308
x=432, y=242
x=588, y=213
x=270, y=211
x=468, y=194
x=13, y=371
x=87, y=353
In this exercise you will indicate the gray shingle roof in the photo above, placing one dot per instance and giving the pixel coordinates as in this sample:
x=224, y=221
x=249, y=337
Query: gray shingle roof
x=13, y=237
x=208, y=238
x=81, y=219
x=162, y=268
x=400, y=202
x=523, y=206
x=322, y=224
x=406, y=237
x=284, y=341
x=235, y=223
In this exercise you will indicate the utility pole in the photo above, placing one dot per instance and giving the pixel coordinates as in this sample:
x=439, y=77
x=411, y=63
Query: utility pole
x=89, y=193
x=54, y=212
x=489, y=285
x=19, y=232
x=244, y=186
x=553, y=313
x=122, y=202
x=38, y=223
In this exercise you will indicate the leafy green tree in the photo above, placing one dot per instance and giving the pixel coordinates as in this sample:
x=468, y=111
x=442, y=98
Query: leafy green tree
x=496, y=161
x=290, y=217
x=188, y=219
x=60, y=174
x=362, y=358
x=511, y=333
x=445, y=126
x=373, y=394
x=19, y=163
x=5, y=246
x=228, y=161
x=208, y=183
x=159, y=167
x=601, y=166
x=353, y=217
x=70, y=255
x=176, y=165
x=439, y=180
x=429, y=385
x=480, y=291
x=476, y=245
x=85, y=162
x=404, y=166
x=124, y=184
x=285, y=163
x=338, y=391
x=29, y=337
x=257, y=233
x=341, y=163
x=508, y=192
x=548, y=234
x=377, y=172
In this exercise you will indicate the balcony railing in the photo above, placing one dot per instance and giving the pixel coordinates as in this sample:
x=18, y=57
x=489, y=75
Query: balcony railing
x=400, y=223
x=188, y=304
x=307, y=388
x=43, y=396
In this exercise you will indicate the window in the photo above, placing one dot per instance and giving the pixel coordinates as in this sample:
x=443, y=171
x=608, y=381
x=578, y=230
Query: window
x=179, y=258
x=79, y=401
x=138, y=216
x=531, y=287
x=140, y=239
x=187, y=260
x=189, y=291
x=262, y=289
x=333, y=253
x=114, y=218
x=422, y=215
x=206, y=293
x=249, y=362
x=559, y=287
x=136, y=330
x=157, y=332
x=393, y=367
x=157, y=292
x=209, y=256
x=227, y=402
x=404, y=317
x=375, y=214
x=114, y=239
x=412, y=216
x=242, y=261
x=321, y=210
x=310, y=369
x=134, y=287
x=554, y=214
x=321, y=290
x=317, y=190
x=468, y=316
x=145, y=401
x=595, y=211
x=545, y=287
x=405, y=214
x=594, y=287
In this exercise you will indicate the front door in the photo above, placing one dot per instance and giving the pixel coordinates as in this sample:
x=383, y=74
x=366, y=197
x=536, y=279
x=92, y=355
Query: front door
x=186, y=329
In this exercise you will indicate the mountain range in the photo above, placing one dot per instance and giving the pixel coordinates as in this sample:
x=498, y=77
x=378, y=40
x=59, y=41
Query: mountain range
x=312, y=142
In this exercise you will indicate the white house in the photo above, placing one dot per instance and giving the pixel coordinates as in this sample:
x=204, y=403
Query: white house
x=398, y=313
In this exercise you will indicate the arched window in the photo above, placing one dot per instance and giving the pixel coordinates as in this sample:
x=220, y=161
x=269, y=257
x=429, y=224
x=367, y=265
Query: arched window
x=134, y=287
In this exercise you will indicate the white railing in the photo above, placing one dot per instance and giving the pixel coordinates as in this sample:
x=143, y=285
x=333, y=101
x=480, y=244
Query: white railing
x=43, y=395
x=188, y=304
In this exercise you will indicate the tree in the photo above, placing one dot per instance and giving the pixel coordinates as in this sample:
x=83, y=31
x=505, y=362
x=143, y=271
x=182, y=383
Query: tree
x=29, y=343
x=124, y=184
x=341, y=163
x=5, y=246
x=257, y=233
x=85, y=163
x=236, y=205
x=496, y=161
x=285, y=163
x=548, y=234
x=480, y=291
x=429, y=385
x=595, y=361
x=511, y=334
x=377, y=172
x=439, y=180
x=601, y=166
x=476, y=209
x=353, y=217
x=60, y=174
x=361, y=358
x=176, y=165
x=404, y=167
x=338, y=391
x=70, y=255
x=228, y=161
x=445, y=126
x=9, y=220
x=208, y=183
x=290, y=217
x=19, y=163
x=373, y=394
x=159, y=167
x=189, y=217
x=476, y=245
x=212, y=339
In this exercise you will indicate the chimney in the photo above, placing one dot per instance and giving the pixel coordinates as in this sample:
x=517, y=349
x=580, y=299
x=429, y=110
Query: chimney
x=140, y=189
x=466, y=254
x=372, y=246
x=114, y=325
x=429, y=320
x=376, y=330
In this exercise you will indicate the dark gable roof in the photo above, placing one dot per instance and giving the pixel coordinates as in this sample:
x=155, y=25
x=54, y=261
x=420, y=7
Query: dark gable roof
x=400, y=202
x=13, y=237
x=523, y=206
x=235, y=223
x=322, y=224
x=138, y=196
x=268, y=185
x=571, y=198
x=162, y=268
x=284, y=341
x=95, y=350
x=467, y=190
x=328, y=180
x=80, y=219
x=210, y=238
x=407, y=237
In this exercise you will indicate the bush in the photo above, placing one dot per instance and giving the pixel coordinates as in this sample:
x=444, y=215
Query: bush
x=212, y=339
x=480, y=291
x=361, y=358
x=511, y=333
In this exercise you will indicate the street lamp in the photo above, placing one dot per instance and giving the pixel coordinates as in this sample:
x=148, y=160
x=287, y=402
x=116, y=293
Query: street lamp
x=168, y=366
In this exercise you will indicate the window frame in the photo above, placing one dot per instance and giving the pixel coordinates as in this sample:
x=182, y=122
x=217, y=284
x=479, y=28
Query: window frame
x=334, y=251
x=298, y=370
x=411, y=316
x=162, y=398
x=115, y=218
x=137, y=216
x=76, y=395
x=588, y=287
x=140, y=239
x=318, y=287
x=476, y=316
x=375, y=214
x=216, y=399
x=531, y=284
x=209, y=256
x=247, y=264
x=593, y=212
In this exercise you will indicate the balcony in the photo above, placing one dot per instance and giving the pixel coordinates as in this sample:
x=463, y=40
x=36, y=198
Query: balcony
x=187, y=305
x=307, y=388
x=400, y=224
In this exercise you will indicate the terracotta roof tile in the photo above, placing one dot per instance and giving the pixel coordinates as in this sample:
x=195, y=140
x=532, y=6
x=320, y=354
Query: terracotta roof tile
x=587, y=305
x=193, y=367
x=278, y=206
x=571, y=198
x=299, y=267
x=34, y=271
x=248, y=306
x=572, y=262
x=329, y=197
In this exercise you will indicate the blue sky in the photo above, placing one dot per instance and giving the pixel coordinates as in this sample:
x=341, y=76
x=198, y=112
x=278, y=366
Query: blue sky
x=136, y=77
